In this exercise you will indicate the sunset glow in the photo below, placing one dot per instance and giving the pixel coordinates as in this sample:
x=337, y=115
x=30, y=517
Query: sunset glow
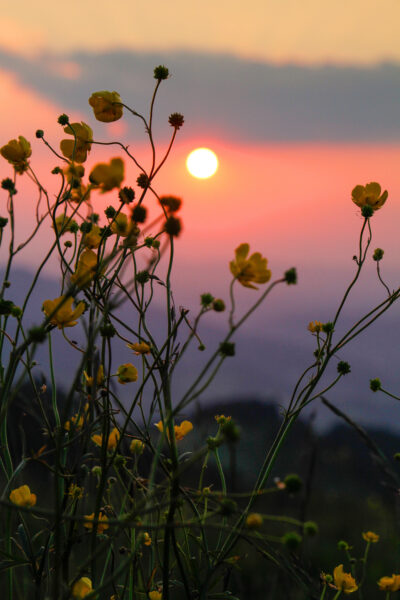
x=202, y=163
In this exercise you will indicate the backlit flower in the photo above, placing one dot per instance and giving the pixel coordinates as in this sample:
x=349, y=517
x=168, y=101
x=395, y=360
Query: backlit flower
x=370, y=536
x=121, y=225
x=61, y=311
x=146, y=539
x=93, y=238
x=64, y=223
x=77, y=150
x=102, y=525
x=99, y=377
x=389, y=584
x=16, y=152
x=86, y=268
x=112, y=440
x=22, y=496
x=74, y=173
x=344, y=581
x=106, y=106
x=369, y=195
x=108, y=176
x=136, y=446
x=248, y=270
x=127, y=373
x=155, y=595
x=180, y=430
x=82, y=588
x=315, y=326
x=139, y=348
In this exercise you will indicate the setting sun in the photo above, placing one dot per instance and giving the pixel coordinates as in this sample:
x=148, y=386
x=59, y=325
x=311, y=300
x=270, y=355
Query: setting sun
x=202, y=163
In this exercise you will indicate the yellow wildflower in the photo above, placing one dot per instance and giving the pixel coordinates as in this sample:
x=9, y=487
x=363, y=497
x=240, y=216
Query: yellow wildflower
x=254, y=521
x=93, y=238
x=86, y=268
x=112, y=440
x=64, y=316
x=222, y=419
x=344, y=581
x=389, y=584
x=80, y=194
x=127, y=373
x=74, y=173
x=140, y=348
x=155, y=595
x=22, y=496
x=77, y=150
x=106, y=106
x=108, y=176
x=82, y=588
x=76, y=422
x=252, y=269
x=370, y=536
x=369, y=195
x=16, y=152
x=121, y=225
x=315, y=326
x=64, y=224
x=180, y=430
x=136, y=446
x=146, y=539
x=102, y=525
x=99, y=377
x=75, y=491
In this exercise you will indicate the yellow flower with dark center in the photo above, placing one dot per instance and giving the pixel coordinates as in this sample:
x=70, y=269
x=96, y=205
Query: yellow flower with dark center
x=315, y=326
x=389, y=584
x=112, y=440
x=344, y=581
x=77, y=150
x=93, y=238
x=140, y=348
x=370, y=536
x=180, y=430
x=17, y=152
x=127, y=373
x=106, y=106
x=61, y=311
x=136, y=446
x=102, y=525
x=248, y=270
x=108, y=176
x=64, y=223
x=369, y=195
x=23, y=496
x=82, y=588
x=86, y=268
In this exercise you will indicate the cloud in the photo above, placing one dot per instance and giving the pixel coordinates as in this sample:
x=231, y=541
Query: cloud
x=224, y=95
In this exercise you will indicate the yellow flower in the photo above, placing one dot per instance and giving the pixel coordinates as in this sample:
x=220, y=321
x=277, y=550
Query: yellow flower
x=222, y=419
x=108, y=176
x=82, y=588
x=16, y=152
x=254, y=521
x=99, y=377
x=93, y=238
x=140, y=348
x=106, y=106
x=369, y=195
x=246, y=270
x=180, y=430
x=76, y=422
x=22, y=496
x=80, y=194
x=389, y=584
x=74, y=173
x=127, y=373
x=64, y=316
x=370, y=536
x=77, y=150
x=136, y=446
x=154, y=595
x=315, y=326
x=112, y=439
x=64, y=224
x=146, y=539
x=75, y=491
x=344, y=581
x=86, y=268
x=121, y=225
x=102, y=524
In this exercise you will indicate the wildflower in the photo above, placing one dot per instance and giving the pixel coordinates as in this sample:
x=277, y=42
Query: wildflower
x=22, y=496
x=155, y=595
x=180, y=430
x=343, y=368
x=140, y=348
x=16, y=152
x=171, y=203
x=375, y=384
x=146, y=539
x=80, y=194
x=176, y=120
x=252, y=269
x=222, y=419
x=389, y=584
x=254, y=521
x=344, y=581
x=108, y=176
x=126, y=195
x=75, y=491
x=378, y=254
x=63, y=223
x=121, y=226
x=86, y=268
x=93, y=238
x=139, y=213
x=112, y=440
x=99, y=377
x=143, y=181
x=127, y=373
x=369, y=195
x=61, y=311
x=101, y=526
x=74, y=173
x=136, y=446
x=77, y=149
x=291, y=276
x=106, y=106
x=160, y=72
x=82, y=588
x=76, y=422
x=370, y=536
x=218, y=305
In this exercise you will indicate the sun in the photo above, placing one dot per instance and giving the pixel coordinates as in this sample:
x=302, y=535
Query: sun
x=202, y=163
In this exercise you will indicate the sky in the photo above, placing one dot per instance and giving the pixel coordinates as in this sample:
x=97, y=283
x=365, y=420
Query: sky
x=300, y=101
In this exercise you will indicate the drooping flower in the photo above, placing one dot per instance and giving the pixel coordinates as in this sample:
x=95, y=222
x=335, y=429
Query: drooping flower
x=86, y=268
x=315, y=326
x=370, y=536
x=389, y=584
x=108, y=176
x=17, y=152
x=369, y=195
x=140, y=348
x=77, y=150
x=127, y=373
x=112, y=440
x=106, y=106
x=344, y=581
x=248, y=270
x=61, y=311
x=102, y=525
x=180, y=430
x=82, y=588
x=23, y=496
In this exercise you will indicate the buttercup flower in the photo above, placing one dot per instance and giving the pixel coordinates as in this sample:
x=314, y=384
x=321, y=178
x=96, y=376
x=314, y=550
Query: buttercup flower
x=139, y=348
x=108, y=176
x=86, y=268
x=136, y=446
x=77, y=150
x=82, y=588
x=112, y=439
x=315, y=326
x=22, y=496
x=369, y=195
x=344, y=581
x=17, y=152
x=254, y=521
x=102, y=524
x=80, y=193
x=99, y=377
x=389, y=584
x=65, y=315
x=127, y=373
x=370, y=536
x=154, y=595
x=146, y=539
x=248, y=270
x=93, y=238
x=74, y=173
x=180, y=430
x=106, y=106
x=64, y=223
x=121, y=225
